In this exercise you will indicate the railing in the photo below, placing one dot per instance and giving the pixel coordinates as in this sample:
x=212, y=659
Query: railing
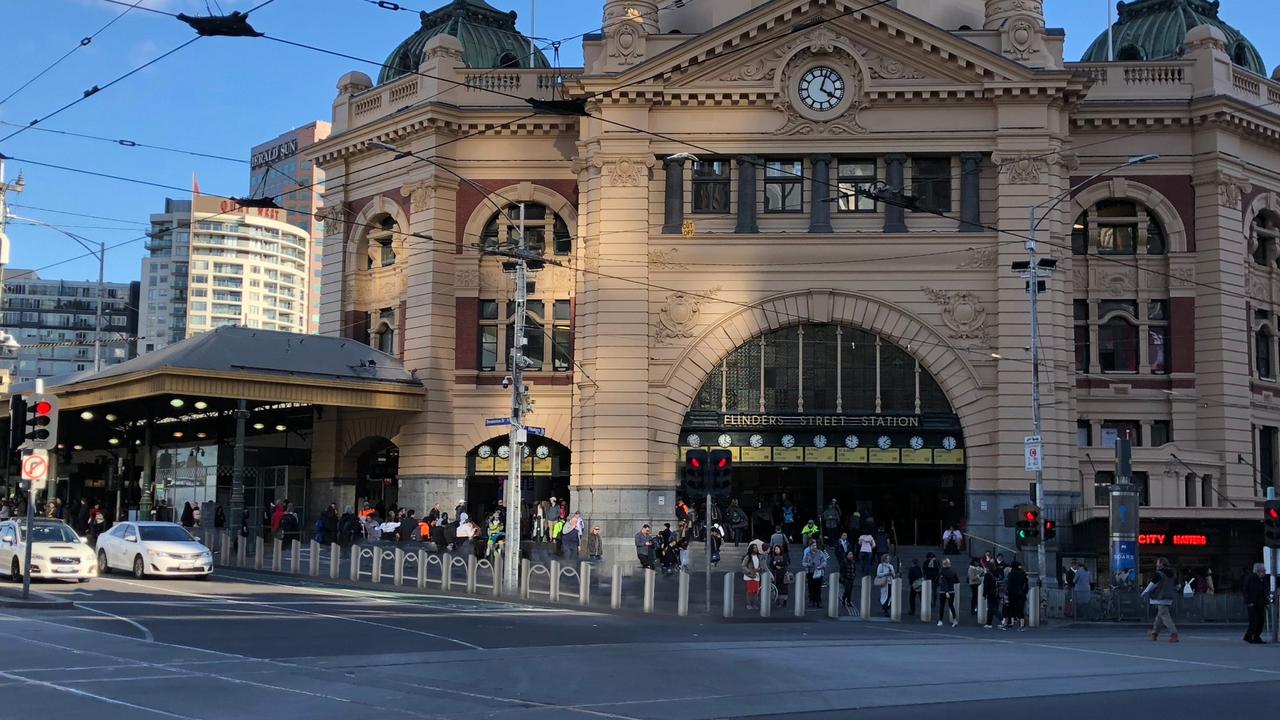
x=538, y=83
x=1247, y=83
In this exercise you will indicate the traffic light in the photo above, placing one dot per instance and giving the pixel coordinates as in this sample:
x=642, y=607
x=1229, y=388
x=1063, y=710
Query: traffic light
x=1271, y=523
x=1050, y=530
x=17, y=431
x=696, y=473
x=41, y=427
x=1027, y=532
x=721, y=472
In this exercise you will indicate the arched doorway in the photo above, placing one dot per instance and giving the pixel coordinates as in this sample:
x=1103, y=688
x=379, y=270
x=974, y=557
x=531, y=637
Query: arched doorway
x=377, y=471
x=544, y=473
x=817, y=412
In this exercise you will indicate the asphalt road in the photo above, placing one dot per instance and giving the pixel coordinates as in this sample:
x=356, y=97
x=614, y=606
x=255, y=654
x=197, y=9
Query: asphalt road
x=252, y=646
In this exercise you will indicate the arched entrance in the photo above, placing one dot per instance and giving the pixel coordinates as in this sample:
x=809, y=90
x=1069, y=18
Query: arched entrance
x=544, y=473
x=817, y=412
x=377, y=471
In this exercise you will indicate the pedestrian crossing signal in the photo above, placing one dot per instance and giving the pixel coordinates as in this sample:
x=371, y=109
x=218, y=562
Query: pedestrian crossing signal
x=1271, y=523
x=1027, y=530
x=696, y=474
x=721, y=473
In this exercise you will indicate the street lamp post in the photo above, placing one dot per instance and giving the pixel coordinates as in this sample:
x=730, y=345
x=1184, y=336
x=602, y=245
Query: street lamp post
x=1034, y=270
x=517, y=435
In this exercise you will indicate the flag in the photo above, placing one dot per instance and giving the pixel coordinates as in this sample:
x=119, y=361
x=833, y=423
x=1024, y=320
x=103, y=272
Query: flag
x=195, y=184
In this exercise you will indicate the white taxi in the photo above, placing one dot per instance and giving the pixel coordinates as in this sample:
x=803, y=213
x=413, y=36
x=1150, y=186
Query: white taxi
x=153, y=548
x=56, y=552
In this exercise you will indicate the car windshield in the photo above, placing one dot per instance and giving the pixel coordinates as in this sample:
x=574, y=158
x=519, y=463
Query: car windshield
x=51, y=533
x=164, y=533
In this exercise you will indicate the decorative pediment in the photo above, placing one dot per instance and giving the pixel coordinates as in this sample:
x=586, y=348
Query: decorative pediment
x=762, y=68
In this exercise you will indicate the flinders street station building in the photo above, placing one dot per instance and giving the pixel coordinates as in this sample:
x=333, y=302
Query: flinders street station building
x=789, y=228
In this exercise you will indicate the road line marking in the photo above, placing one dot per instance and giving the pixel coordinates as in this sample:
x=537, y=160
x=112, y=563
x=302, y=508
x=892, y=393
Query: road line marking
x=146, y=634
x=94, y=696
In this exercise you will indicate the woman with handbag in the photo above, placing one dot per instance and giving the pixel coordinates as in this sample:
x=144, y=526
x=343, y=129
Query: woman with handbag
x=884, y=575
x=752, y=565
x=779, y=566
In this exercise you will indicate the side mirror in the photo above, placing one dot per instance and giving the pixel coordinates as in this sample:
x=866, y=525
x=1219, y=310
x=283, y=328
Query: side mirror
x=131, y=538
x=84, y=540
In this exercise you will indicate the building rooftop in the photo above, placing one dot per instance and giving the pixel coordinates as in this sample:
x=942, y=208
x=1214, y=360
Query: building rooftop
x=1157, y=30
x=489, y=40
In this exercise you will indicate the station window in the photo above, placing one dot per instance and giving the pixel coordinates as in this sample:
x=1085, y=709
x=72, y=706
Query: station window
x=711, y=186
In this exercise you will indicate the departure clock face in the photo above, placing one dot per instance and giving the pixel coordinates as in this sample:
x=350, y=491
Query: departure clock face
x=694, y=440
x=821, y=89
x=504, y=451
x=851, y=442
x=820, y=441
x=884, y=442
x=725, y=440
x=949, y=443
x=757, y=440
x=788, y=441
x=917, y=442
x=543, y=452
x=485, y=451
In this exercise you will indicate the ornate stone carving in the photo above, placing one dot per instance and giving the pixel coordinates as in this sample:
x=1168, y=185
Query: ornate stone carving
x=469, y=278
x=625, y=172
x=334, y=218
x=627, y=27
x=492, y=277
x=419, y=195
x=1117, y=281
x=679, y=316
x=1079, y=278
x=1182, y=276
x=1231, y=190
x=1023, y=168
x=963, y=314
x=981, y=258
x=665, y=259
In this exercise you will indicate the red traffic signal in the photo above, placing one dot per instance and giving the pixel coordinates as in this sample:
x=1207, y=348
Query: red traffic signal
x=695, y=463
x=1031, y=516
x=44, y=407
x=1273, y=513
x=722, y=463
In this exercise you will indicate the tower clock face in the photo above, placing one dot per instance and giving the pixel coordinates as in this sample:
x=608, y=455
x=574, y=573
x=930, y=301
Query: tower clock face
x=821, y=89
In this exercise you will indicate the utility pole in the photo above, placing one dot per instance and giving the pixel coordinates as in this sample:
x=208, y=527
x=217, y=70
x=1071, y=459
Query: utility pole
x=8, y=344
x=97, y=324
x=237, y=472
x=519, y=402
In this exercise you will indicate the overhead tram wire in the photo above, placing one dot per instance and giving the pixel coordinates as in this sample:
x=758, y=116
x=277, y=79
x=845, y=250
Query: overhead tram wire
x=84, y=42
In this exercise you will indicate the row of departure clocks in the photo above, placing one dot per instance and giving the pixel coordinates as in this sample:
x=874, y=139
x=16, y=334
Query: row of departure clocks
x=884, y=442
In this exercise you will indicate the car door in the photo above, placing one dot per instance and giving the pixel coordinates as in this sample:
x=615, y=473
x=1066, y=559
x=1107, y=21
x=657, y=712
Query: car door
x=108, y=541
x=116, y=556
x=8, y=544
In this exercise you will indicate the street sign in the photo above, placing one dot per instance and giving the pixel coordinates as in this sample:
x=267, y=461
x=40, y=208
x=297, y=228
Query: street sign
x=494, y=422
x=1033, y=453
x=35, y=468
x=536, y=430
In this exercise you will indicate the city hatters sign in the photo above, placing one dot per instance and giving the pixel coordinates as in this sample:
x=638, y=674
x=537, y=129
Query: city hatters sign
x=866, y=421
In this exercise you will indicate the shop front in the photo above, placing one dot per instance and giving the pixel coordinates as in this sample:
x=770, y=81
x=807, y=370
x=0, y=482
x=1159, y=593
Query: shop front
x=1223, y=549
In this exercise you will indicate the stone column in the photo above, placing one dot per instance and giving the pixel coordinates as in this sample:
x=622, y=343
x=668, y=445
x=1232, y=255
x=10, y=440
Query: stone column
x=819, y=205
x=894, y=217
x=971, y=192
x=748, y=209
x=673, y=200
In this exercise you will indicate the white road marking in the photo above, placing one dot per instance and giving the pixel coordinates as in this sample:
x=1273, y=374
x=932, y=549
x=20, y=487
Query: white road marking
x=146, y=634
x=93, y=696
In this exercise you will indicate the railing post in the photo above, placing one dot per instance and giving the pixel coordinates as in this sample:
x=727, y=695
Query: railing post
x=864, y=598
x=524, y=579
x=354, y=565
x=398, y=578
x=295, y=557
x=377, y=564
x=982, y=607
x=895, y=600
x=471, y=573
x=1033, y=607
x=728, y=595
x=335, y=560
x=313, y=564
x=615, y=590
x=926, y=601
x=277, y=554
x=682, y=595
x=649, y=577
x=799, y=591
x=422, y=568
x=496, y=590
x=555, y=581
x=242, y=551
x=833, y=596
x=446, y=563
x=225, y=553
x=584, y=583
x=259, y=549
x=767, y=592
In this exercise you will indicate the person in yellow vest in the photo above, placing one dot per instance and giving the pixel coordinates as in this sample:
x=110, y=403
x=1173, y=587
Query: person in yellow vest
x=810, y=531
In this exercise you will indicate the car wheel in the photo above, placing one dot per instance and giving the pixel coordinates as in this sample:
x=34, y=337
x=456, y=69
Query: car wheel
x=139, y=570
x=15, y=571
x=82, y=580
x=103, y=567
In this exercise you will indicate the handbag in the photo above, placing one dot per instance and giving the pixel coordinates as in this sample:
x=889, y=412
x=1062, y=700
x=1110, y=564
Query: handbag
x=917, y=584
x=881, y=581
x=789, y=578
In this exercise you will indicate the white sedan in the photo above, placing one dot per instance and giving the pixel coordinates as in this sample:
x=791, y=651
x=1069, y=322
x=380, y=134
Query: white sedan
x=153, y=548
x=56, y=552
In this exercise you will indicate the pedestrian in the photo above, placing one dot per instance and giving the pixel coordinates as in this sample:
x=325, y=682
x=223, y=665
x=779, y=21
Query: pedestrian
x=348, y=527
x=595, y=544
x=952, y=541
x=1256, y=601
x=1160, y=592
x=219, y=517
x=831, y=521
x=915, y=578
x=932, y=568
x=843, y=548
x=97, y=525
x=290, y=526
x=975, y=585
x=644, y=547
x=737, y=522
x=571, y=536
x=81, y=524
x=884, y=577
x=779, y=539
x=1018, y=586
x=788, y=519
x=779, y=568
x=752, y=566
x=947, y=583
x=715, y=537
x=761, y=521
x=1082, y=591
x=1208, y=581
x=866, y=550
x=815, y=564
x=991, y=591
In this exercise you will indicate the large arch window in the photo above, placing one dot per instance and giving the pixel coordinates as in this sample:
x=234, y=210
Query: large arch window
x=1266, y=233
x=1118, y=227
x=383, y=333
x=1118, y=336
x=381, y=239
x=821, y=369
x=1264, y=353
x=541, y=226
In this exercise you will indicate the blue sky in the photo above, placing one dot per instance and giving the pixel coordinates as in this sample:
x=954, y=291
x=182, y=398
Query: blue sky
x=223, y=95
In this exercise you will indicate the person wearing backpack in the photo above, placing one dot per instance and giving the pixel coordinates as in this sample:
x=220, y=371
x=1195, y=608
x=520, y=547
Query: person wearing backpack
x=831, y=521
x=1160, y=592
x=289, y=525
x=737, y=522
x=788, y=519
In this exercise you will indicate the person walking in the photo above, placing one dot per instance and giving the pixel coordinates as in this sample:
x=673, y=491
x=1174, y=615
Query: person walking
x=866, y=550
x=752, y=566
x=644, y=547
x=595, y=544
x=884, y=580
x=915, y=579
x=975, y=585
x=737, y=522
x=932, y=568
x=991, y=591
x=779, y=568
x=1256, y=601
x=1018, y=587
x=571, y=536
x=188, y=518
x=1160, y=593
x=831, y=518
x=815, y=564
x=948, y=581
x=848, y=577
x=1082, y=591
x=779, y=538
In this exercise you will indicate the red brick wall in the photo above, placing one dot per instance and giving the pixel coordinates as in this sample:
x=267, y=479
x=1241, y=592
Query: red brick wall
x=1182, y=328
x=467, y=317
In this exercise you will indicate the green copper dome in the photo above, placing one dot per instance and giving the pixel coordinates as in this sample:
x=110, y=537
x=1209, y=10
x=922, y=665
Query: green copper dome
x=1157, y=29
x=489, y=40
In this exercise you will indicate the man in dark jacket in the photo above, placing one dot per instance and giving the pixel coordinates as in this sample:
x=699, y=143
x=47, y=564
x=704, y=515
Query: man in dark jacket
x=1161, y=592
x=1256, y=601
x=1018, y=587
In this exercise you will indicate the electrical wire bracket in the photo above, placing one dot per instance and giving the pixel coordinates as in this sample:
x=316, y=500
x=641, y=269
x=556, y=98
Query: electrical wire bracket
x=234, y=25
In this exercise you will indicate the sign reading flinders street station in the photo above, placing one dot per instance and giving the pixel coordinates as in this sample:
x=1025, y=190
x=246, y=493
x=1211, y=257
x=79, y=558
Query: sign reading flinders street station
x=876, y=421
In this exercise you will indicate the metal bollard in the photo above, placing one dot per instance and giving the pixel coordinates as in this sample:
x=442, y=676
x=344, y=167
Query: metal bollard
x=584, y=583
x=767, y=591
x=833, y=597
x=982, y=606
x=864, y=598
x=926, y=601
x=496, y=590
x=649, y=578
x=242, y=551
x=259, y=547
x=471, y=574
x=356, y=551
x=225, y=553
x=728, y=595
x=895, y=600
x=422, y=568
x=555, y=581
x=376, y=571
x=524, y=578
x=682, y=595
x=615, y=590
x=446, y=564
x=313, y=564
x=1033, y=607
x=398, y=578
x=799, y=594
x=335, y=560
x=295, y=556
x=277, y=554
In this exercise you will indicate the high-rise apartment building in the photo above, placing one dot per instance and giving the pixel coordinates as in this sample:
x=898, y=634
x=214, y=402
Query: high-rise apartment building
x=280, y=168
x=53, y=322
x=216, y=263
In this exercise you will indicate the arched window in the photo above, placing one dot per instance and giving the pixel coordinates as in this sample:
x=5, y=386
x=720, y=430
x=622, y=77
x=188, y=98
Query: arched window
x=383, y=334
x=1240, y=54
x=1118, y=336
x=381, y=252
x=1266, y=233
x=1118, y=227
x=1130, y=53
x=539, y=222
x=1263, y=357
x=508, y=60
